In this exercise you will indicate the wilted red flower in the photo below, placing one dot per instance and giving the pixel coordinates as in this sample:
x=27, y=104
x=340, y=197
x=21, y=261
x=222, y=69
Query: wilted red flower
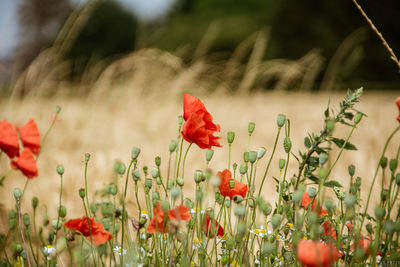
x=159, y=221
x=329, y=230
x=224, y=188
x=305, y=203
x=316, y=253
x=209, y=231
x=8, y=139
x=398, y=106
x=30, y=136
x=26, y=163
x=99, y=235
x=198, y=127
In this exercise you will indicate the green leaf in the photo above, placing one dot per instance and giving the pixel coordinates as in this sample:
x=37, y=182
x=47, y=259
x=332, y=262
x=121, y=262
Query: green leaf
x=332, y=184
x=340, y=143
x=3, y=177
x=314, y=179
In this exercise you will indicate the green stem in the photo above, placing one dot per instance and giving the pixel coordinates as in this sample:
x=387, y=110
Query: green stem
x=184, y=160
x=123, y=212
x=59, y=207
x=90, y=232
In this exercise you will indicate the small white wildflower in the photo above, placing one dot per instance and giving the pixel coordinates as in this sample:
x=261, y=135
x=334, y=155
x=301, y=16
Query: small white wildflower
x=119, y=250
x=144, y=214
x=261, y=232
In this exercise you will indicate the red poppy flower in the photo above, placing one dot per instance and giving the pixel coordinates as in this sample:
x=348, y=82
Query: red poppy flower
x=363, y=243
x=8, y=139
x=329, y=230
x=30, y=136
x=26, y=163
x=198, y=127
x=398, y=106
x=316, y=253
x=305, y=203
x=99, y=235
x=224, y=188
x=159, y=221
x=209, y=231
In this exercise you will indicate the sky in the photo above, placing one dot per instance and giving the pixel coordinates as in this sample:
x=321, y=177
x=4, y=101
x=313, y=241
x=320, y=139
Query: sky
x=144, y=9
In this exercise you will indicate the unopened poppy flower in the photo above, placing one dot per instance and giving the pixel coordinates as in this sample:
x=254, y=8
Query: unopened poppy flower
x=224, y=188
x=26, y=163
x=198, y=127
x=98, y=234
x=329, y=230
x=9, y=139
x=30, y=136
x=316, y=253
x=160, y=220
x=306, y=201
x=209, y=230
x=398, y=106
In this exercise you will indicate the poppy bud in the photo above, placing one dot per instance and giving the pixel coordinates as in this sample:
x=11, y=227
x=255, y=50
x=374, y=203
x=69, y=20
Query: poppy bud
x=12, y=214
x=107, y=209
x=231, y=183
x=12, y=223
x=209, y=154
x=252, y=203
x=243, y=169
x=383, y=162
x=17, y=194
x=246, y=156
x=398, y=179
x=351, y=169
x=231, y=137
x=62, y=211
x=312, y=217
x=165, y=205
x=323, y=173
x=287, y=144
x=180, y=120
x=135, y=153
x=330, y=125
x=323, y=158
x=117, y=227
x=82, y=193
x=154, y=173
x=35, y=202
x=358, y=181
x=388, y=227
x=281, y=164
x=241, y=228
x=224, y=260
x=379, y=212
x=251, y=127
x=198, y=176
x=261, y=152
x=237, y=199
x=172, y=146
x=112, y=189
x=312, y=192
x=227, y=203
x=175, y=192
x=230, y=244
x=26, y=219
x=119, y=167
x=369, y=228
x=170, y=184
x=158, y=181
x=358, y=117
x=180, y=181
x=219, y=198
x=136, y=175
x=393, y=165
x=157, y=160
x=384, y=195
x=280, y=120
x=349, y=200
x=148, y=183
x=145, y=169
x=240, y=211
x=155, y=196
x=92, y=207
x=87, y=157
x=276, y=220
x=142, y=221
x=58, y=109
x=60, y=169
x=106, y=223
x=268, y=248
x=45, y=219
x=252, y=156
x=353, y=189
x=329, y=204
x=266, y=208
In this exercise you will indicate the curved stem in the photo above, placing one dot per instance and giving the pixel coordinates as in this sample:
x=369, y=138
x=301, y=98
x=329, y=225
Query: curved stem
x=184, y=160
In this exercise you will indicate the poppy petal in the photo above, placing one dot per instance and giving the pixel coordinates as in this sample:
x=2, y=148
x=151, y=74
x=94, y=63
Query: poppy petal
x=30, y=136
x=26, y=163
x=9, y=139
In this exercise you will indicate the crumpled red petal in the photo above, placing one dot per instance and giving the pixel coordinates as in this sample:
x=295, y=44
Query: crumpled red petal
x=26, y=163
x=239, y=189
x=9, y=139
x=30, y=136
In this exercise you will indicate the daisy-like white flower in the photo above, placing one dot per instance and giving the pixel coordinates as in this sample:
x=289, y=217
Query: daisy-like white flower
x=48, y=250
x=196, y=210
x=120, y=250
x=257, y=262
x=290, y=226
x=144, y=214
x=197, y=243
x=261, y=232
x=222, y=239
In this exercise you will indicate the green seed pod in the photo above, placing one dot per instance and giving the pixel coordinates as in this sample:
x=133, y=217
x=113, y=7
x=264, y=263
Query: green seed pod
x=266, y=208
x=198, y=176
x=26, y=219
x=241, y=228
x=230, y=243
x=298, y=196
x=251, y=127
x=12, y=223
x=353, y=189
x=112, y=189
x=158, y=181
x=281, y=164
x=398, y=179
x=232, y=183
x=154, y=173
x=106, y=223
x=135, y=153
x=276, y=220
x=175, y=192
x=393, y=165
x=17, y=194
x=209, y=154
x=155, y=196
x=142, y=222
x=323, y=158
x=280, y=120
x=165, y=205
x=170, y=184
x=243, y=169
x=237, y=199
x=18, y=248
x=349, y=200
x=35, y=202
x=117, y=227
x=240, y=211
x=107, y=209
x=287, y=144
x=136, y=175
x=351, y=169
x=323, y=173
x=12, y=214
x=62, y=211
x=388, y=227
x=358, y=182
x=148, y=183
x=312, y=192
x=87, y=157
x=383, y=162
x=224, y=260
x=180, y=181
x=252, y=156
x=268, y=248
x=82, y=193
x=369, y=228
x=60, y=169
x=157, y=161
x=231, y=137
x=384, y=195
x=358, y=117
x=261, y=152
x=379, y=212
x=219, y=199
x=246, y=156
x=172, y=146
x=330, y=205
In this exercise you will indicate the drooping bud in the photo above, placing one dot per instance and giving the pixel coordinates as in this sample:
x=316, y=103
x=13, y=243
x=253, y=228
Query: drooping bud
x=60, y=169
x=280, y=120
x=287, y=144
x=231, y=137
x=261, y=152
x=209, y=154
x=398, y=179
x=172, y=146
x=252, y=156
x=384, y=195
x=136, y=175
x=135, y=153
x=157, y=161
x=251, y=127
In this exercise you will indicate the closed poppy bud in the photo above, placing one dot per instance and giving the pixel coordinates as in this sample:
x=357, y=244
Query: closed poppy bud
x=158, y=181
x=349, y=200
x=230, y=244
x=180, y=181
x=384, y=195
x=369, y=228
x=298, y=196
x=379, y=212
x=358, y=181
x=170, y=184
x=62, y=211
x=87, y=157
x=145, y=169
x=246, y=156
x=383, y=162
x=251, y=127
x=172, y=146
x=241, y=228
x=280, y=120
x=209, y=154
x=157, y=160
x=92, y=207
x=180, y=120
x=351, y=169
x=358, y=117
x=393, y=165
x=231, y=137
x=135, y=153
x=107, y=209
x=281, y=163
x=276, y=220
x=12, y=214
x=398, y=179
x=119, y=167
x=240, y=211
x=112, y=188
x=312, y=192
x=232, y=183
x=287, y=144
x=243, y=169
x=12, y=223
x=26, y=219
x=82, y=193
x=323, y=158
x=198, y=176
x=154, y=173
x=329, y=204
x=175, y=192
x=60, y=169
x=17, y=194
x=266, y=208
x=261, y=152
x=252, y=156
x=155, y=196
x=35, y=202
x=136, y=175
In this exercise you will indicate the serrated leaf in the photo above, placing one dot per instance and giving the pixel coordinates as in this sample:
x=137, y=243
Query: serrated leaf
x=332, y=184
x=341, y=142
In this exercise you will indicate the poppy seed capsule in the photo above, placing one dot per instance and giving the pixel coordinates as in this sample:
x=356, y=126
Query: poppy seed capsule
x=383, y=162
x=119, y=167
x=113, y=189
x=276, y=220
x=351, y=169
x=329, y=204
x=230, y=244
x=281, y=164
x=379, y=212
x=358, y=181
x=175, y=192
x=209, y=154
x=231, y=137
x=157, y=160
x=56, y=224
x=145, y=169
x=261, y=152
x=287, y=144
x=58, y=109
x=312, y=192
x=227, y=203
x=35, y=202
x=17, y=194
x=251, y=127
x=243, y=169
x=393, y=165
x=172, y=146
x=198, y=176
x=60, y=169
x=136, y=175
x=62, y=211
x=180, y=181
x=82, y=193
x=26, y=219
x=349, y=200
x=234, y=166
x=252, y=156
x=358, y=117
x=280, y=120
x=154, y=173
x=135, y=153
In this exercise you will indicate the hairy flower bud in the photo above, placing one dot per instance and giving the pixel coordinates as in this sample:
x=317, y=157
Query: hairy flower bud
x=240, y=211
x=17, y=194
x=287, y=144
x=393, y=165
x=180, y=181
x=351, y=169
x=231, y=137
x=246, y=156
x=379, y=212
x=135, y=153
x=175, y=192
x=155, y=173
x=383, y=162
x=280, y=120
x=60, y=169
x=281, y=164
x=136, y=175
x=172, y=146
x=35, y=202
x=209, y=154
x=251, y=127
x=198, y=176
x=276, y=220
x=119, y=167
x=62, y=211
x=252, y=156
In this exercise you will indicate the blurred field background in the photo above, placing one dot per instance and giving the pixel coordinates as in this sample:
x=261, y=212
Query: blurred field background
x=119, y=73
